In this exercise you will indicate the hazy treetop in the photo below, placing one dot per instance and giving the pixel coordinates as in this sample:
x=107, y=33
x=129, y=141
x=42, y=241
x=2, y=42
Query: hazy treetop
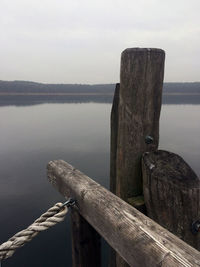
x=76, y=41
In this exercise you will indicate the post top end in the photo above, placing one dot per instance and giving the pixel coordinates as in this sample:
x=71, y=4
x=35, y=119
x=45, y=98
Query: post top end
x=142, y=50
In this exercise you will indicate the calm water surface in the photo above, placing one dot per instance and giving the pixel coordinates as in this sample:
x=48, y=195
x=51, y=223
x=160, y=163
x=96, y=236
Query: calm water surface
x=78, y=133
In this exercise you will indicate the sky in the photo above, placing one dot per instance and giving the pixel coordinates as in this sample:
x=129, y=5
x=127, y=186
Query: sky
x=80, y=41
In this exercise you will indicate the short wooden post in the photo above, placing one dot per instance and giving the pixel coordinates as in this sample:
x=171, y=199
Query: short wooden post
x=172, y=194
x=135, y=122
x=86, y=242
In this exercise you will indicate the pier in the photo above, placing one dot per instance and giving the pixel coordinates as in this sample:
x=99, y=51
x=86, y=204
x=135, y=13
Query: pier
x=154, y=197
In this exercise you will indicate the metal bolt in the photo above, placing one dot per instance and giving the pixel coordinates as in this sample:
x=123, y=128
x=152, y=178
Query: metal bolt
x=196, y=227
x=149, y=139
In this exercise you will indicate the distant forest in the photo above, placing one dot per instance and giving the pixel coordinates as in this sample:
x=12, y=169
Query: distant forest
x=33, y=87
x=30, y=93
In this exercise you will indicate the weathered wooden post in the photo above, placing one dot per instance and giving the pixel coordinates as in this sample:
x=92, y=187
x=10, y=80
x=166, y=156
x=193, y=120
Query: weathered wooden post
x=85, y=242
x=172, y=194
x=135, y=122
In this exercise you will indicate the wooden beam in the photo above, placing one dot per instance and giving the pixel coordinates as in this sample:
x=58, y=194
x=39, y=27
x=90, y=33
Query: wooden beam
x=172, y=194
x=139, y=240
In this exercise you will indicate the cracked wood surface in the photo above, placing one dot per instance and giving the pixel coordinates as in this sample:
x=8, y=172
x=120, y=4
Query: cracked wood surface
x=135, y=115
x=172, y=194
x=140, y=95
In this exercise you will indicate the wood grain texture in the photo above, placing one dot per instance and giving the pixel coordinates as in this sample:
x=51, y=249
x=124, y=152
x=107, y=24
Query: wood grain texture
x=86, y=242
x=139, y=240
x=141, y=81
x=172, y=194
x=135, y=114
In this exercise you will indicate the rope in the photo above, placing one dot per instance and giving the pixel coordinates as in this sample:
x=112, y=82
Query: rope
x=53, y=216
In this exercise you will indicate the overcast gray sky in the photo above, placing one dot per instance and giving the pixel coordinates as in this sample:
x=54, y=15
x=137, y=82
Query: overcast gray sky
x=80, y=41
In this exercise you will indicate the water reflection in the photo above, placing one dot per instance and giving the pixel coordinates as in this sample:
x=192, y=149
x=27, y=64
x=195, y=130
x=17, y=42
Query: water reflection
x=180, y=131
x=30, y=137
x=26, y=99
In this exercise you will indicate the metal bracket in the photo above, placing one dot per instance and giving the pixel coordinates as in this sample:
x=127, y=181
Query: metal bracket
x=69, y=203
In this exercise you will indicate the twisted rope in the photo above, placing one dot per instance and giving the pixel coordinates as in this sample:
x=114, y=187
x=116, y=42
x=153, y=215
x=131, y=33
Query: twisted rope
x=53, y=216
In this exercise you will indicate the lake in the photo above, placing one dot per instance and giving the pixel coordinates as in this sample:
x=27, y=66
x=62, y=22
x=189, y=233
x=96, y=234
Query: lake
x=78, y=133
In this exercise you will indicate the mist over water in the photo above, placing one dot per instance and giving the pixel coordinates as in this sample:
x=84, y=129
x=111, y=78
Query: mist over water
x=78, y=133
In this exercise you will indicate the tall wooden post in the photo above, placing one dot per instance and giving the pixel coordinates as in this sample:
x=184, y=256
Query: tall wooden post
x=137, y=122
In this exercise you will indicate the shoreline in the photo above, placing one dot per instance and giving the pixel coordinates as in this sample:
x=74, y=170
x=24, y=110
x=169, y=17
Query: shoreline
x=85, y=94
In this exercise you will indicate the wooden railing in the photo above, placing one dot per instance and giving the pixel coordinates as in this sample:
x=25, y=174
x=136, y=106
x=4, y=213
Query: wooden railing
x=137, y=239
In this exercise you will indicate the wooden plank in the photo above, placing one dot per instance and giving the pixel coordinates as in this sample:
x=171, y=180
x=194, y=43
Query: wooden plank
x=139, y=240
x=113, y=155
x=141, y=81
x=86, y=242
x=113, y=138
x=172, y=194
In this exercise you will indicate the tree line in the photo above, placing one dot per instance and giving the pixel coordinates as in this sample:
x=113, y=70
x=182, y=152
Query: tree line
x=33, y=87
